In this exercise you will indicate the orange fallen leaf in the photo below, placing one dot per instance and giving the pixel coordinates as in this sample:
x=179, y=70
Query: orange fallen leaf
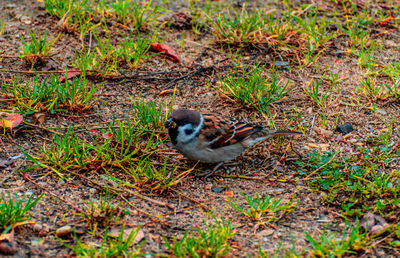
x=169, y=51
x=165, y=92
x=11, y=121
x=70, y=74
x=388, y=19
x=228, y=193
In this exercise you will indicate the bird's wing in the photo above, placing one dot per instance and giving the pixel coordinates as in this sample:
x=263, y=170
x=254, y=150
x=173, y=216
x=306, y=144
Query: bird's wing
x=219, y=132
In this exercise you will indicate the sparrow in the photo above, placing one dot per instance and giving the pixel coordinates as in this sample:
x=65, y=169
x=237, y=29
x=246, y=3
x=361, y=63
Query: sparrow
x=211, y=138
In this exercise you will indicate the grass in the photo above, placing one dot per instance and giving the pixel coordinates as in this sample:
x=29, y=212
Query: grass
x=109, y=247
x=320, y=99
x=240, y=28
x=102, y=214
x=14, y=210
x=359, y=187
x=264, y=208
x=150, y=115
x=338, y=64
x=372, y=90
x=136, y=14
x=51, y=95
x=134, y=50
x=2, y=27
x=332, y=245
x=209, y=242
x=251, y=87
x=316, y=33
x=125, y=146
x=38, y=49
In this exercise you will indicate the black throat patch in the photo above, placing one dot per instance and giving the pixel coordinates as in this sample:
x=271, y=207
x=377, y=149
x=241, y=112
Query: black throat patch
x=173, y=133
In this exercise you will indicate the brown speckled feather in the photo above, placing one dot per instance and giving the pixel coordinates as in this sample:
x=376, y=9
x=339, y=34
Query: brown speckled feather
x=219, y=131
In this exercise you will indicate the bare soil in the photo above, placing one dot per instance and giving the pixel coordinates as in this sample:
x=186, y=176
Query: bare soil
x=269, y=168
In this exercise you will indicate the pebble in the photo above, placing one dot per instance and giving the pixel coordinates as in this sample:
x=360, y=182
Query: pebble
x=92, y=190
x=26, y=19
x=64, y=231
x=282, y=65
x=381, y=111
x=274, y=191
x=345, y=128
x=370, y=128
x=28, y=193
x=339, y=138
x=8, y=247
x=217, y=189
x=37, y=227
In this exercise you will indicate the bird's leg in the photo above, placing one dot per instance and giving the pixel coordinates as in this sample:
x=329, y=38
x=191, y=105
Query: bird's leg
x=207, y=174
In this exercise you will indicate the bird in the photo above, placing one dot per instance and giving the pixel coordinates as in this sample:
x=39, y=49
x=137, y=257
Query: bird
x=211, y=138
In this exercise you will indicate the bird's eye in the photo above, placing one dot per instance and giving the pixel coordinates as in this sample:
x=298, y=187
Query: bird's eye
x=188, y=131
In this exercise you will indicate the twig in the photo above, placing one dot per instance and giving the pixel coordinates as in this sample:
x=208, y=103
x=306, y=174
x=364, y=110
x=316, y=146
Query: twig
x=192, y=200
x=188, y=76
x=49, y=191
x=312, y=125
x=117, y=192
x=43, y=128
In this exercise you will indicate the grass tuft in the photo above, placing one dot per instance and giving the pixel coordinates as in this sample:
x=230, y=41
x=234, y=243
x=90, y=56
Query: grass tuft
x=210, y=242
x=14, y=210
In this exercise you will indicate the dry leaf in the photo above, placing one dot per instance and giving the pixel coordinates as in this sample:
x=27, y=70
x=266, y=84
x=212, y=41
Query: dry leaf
x=169, y=51
x=11, y=121
x=321, y=146
x=165, y=92
x=70, y=74
x=228, y=193
x=39, y=118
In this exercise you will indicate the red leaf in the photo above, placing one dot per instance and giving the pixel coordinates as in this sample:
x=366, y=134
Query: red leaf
x=107, y=135
x=11, y=121
x=70, y=74
x=388, y=19
x=169, y=51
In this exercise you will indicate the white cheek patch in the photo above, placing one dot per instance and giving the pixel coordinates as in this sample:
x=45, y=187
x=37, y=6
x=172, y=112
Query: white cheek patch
x=184, y=136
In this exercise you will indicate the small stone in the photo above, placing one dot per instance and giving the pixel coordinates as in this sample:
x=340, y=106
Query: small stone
x=8, y=247
x=370, y=128
x=376, y=229
x=64, y=231
x=390, y=43
x=381, y=111
x=37, y=227
x=217, y=189
x=345, y=128
x=26, y=19
x=92, y=190
x=275, y=191
x=28, y=193
x=282, y=65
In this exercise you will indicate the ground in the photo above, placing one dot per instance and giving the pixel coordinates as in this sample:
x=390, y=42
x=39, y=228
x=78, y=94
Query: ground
x=338, y=61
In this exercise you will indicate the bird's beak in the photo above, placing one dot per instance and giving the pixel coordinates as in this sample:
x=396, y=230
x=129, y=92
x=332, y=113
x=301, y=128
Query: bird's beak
x=169, y=123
